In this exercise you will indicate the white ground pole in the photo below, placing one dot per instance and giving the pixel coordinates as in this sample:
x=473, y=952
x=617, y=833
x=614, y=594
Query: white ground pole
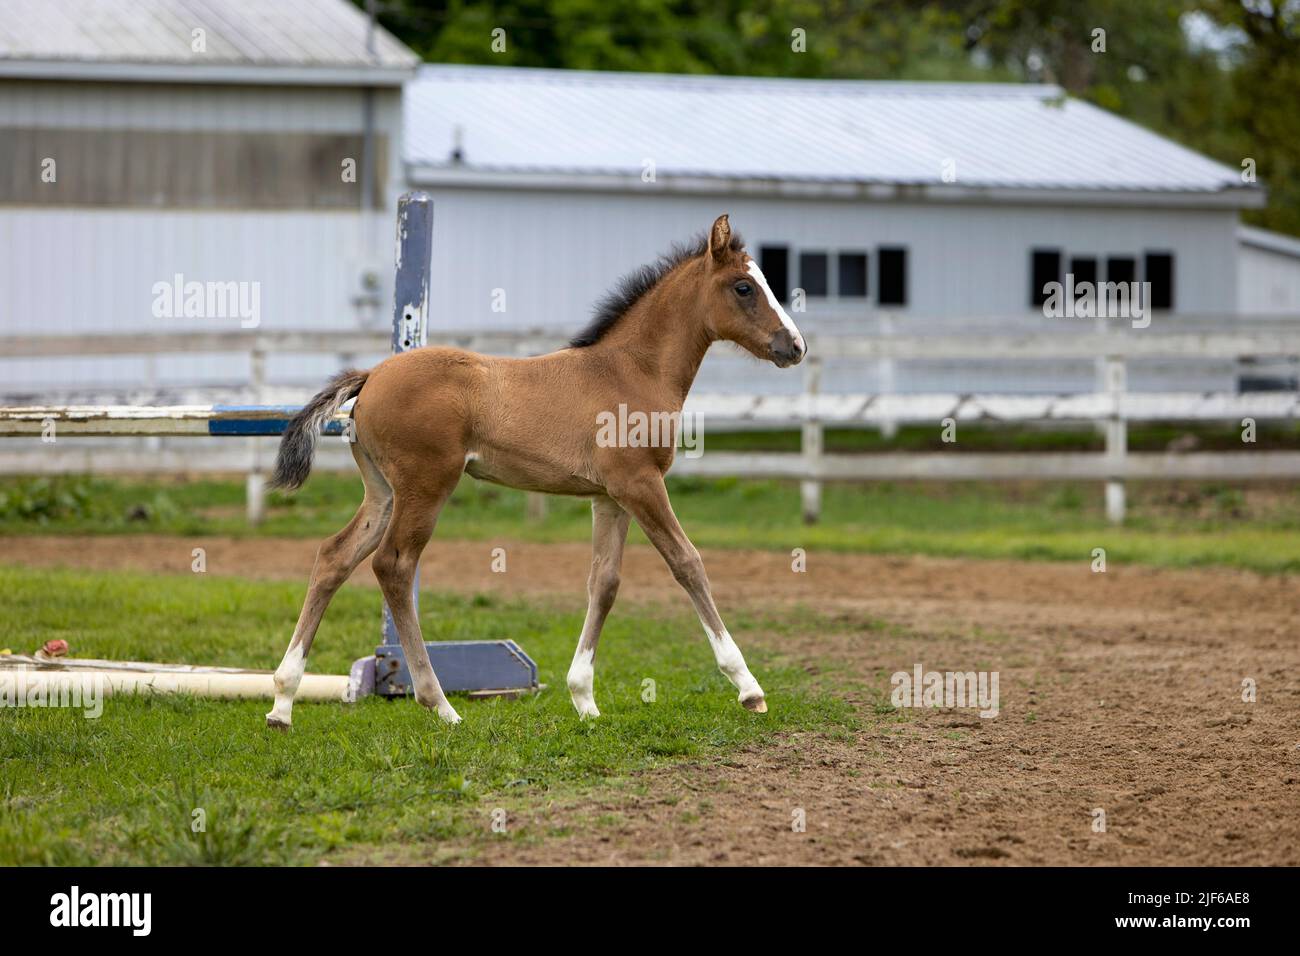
x=317, y=687
x=26, y=678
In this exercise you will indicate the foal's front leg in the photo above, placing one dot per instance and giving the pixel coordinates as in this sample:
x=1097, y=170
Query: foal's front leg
x=647, y=501
x=609, y=525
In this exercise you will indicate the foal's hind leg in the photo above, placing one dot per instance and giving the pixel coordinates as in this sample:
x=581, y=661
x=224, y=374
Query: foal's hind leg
x=337, y=558
x=415, y=513
x=608, y=533
x=647, y=500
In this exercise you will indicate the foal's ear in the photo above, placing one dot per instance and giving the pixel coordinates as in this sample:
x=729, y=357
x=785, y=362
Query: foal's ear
x=720, y=238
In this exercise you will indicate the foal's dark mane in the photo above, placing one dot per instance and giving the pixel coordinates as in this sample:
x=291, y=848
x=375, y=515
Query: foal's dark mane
x=629, y=289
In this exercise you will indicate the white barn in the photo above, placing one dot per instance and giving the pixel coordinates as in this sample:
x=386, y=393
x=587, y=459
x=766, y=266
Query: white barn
x=1268, y=277
x=935, y=205
x=939, y=205
x=967, y=180
x=142, y=140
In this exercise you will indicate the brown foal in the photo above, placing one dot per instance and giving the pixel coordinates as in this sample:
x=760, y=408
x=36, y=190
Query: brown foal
x=424, y=417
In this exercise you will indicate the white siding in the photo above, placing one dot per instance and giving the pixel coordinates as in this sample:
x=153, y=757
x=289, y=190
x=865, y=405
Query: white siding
x=78, y=270
x=554, y=254
x=93, y=272
x=1268, y=282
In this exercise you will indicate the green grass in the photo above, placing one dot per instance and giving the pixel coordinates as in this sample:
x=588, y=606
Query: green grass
x=1182, y=524
x=383, y=777
x=1058, y=437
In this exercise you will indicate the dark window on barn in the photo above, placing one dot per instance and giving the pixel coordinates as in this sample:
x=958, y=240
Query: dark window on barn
x=1160, y=273
x=1083, y=270
x=853, y=274
x=892, y=278
x=775, y=263
x=812, y=273
x=1121, y=269
x=1044, y=267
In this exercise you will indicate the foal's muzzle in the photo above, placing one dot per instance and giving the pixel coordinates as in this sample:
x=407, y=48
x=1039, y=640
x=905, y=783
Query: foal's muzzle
x=785, y=350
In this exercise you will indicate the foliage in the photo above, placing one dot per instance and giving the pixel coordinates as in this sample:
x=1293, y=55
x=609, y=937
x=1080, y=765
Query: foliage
x=41, y=500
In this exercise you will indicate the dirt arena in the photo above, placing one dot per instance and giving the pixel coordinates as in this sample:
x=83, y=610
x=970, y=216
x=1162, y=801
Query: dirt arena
x=1120, y=691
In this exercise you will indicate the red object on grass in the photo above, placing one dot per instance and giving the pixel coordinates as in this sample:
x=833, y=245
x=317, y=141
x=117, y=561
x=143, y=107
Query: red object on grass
x=56, y=648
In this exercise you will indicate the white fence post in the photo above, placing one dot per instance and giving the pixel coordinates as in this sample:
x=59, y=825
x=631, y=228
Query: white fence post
x=1116, y=438
x=811, y=444
x=1101, y=372
x=255, y=484
x=885, y=369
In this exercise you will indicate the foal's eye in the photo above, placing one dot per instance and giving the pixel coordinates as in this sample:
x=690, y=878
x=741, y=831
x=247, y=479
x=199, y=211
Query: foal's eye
x=744, y=289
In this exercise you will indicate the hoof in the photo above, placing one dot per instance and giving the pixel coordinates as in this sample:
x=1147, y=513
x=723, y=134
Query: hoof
x=275, y=723
x=757, y=705
x=586, y=711
x=449, y=715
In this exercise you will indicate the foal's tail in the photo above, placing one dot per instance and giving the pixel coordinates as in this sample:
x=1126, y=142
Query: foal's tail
x=298, y=445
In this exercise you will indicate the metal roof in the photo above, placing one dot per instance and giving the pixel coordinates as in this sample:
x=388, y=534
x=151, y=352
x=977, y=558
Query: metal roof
x=1272, y=241
x=519, y=124
x=246, y=41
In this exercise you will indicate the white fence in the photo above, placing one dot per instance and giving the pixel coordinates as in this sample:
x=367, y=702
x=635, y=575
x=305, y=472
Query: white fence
x=1111, y=406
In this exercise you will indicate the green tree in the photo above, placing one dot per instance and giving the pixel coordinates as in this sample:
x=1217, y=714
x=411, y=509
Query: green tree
x=1263, y=118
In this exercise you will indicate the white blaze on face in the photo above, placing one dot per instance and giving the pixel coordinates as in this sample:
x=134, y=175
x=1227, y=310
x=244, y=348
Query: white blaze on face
x=788, y=322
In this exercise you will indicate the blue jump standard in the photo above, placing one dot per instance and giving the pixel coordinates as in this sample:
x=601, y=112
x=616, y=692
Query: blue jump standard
x=482, y=667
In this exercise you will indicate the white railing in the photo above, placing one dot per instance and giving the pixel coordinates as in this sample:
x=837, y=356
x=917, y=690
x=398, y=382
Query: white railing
x=1110, y=407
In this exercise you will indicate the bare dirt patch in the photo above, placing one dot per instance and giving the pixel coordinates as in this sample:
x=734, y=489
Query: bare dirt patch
x=1120, y=692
